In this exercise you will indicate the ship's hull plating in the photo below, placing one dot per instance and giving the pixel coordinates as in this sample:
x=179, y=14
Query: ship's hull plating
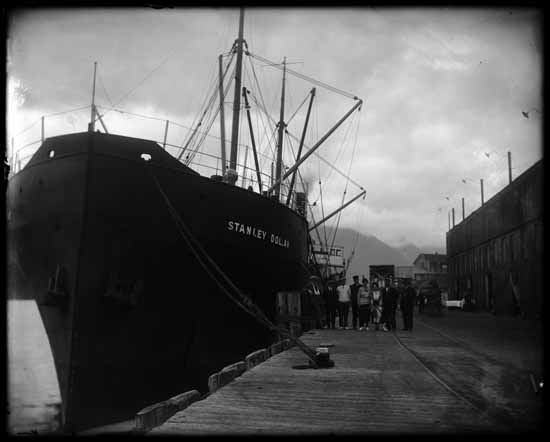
x=142, y=320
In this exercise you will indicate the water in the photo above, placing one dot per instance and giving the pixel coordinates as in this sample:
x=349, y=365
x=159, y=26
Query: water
x=34, y=401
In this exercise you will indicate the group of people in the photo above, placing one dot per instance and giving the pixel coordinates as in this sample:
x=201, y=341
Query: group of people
x=371, y=304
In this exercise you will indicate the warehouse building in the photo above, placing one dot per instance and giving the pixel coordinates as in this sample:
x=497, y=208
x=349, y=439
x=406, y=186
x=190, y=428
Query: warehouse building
x=495, y=254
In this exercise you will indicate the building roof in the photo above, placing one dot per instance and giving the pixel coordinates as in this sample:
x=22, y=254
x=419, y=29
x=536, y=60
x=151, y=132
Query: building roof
x=433, y=257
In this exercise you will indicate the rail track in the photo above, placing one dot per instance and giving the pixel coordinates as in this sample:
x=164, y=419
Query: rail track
x=492, y=388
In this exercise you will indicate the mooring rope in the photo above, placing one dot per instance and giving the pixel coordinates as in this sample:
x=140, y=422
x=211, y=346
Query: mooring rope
x=245, y=303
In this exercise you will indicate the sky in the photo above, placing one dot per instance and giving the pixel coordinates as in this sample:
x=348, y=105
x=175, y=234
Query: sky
x=443, y=93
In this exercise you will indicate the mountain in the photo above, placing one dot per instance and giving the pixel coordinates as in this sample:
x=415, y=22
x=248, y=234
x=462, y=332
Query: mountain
x=410, y=251
x=369, y=250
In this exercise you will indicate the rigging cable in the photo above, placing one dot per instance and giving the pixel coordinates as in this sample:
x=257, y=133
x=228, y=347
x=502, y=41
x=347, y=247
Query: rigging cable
x=207, y=103
x=210, y=121
x=347, y=182
x=219, y=277
x=140, y=82
x=323, y=213
x=304, y=77
x=262, y=107
x=328, y=163
x=340, y=152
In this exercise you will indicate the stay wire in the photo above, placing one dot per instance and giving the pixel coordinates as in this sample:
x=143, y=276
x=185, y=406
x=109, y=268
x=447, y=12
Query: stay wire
x=304, y=77
x=321, y=158
x=124, y=97
x=245, y=303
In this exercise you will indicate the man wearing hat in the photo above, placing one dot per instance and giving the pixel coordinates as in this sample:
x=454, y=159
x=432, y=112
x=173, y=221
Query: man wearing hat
x=407, y=305
x=354, y=298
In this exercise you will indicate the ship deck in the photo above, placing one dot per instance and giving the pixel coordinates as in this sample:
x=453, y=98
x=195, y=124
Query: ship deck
x=425, y=381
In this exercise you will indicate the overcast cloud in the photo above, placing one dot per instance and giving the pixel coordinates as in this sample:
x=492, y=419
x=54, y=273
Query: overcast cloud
x=443, y=93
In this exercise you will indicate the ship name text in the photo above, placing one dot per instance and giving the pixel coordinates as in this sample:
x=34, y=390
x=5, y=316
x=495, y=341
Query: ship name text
x=243, y=229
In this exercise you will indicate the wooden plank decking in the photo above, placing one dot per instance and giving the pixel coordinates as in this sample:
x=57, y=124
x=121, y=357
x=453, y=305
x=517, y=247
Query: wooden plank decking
x=375, y=386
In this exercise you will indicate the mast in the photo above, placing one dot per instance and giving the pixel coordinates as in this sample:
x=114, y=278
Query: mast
x=237, y=98
x=279, y=162
x=312, y=149
x=247, y=107
x=92, y=117
x=293, y=179
x=222, y=117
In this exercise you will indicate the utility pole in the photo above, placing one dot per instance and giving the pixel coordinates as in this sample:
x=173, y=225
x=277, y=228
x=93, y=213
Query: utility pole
x=509, y=167
x=449, y=218
x=42, y=132
x=453, y=217
x=482, y=200
x=463, y=209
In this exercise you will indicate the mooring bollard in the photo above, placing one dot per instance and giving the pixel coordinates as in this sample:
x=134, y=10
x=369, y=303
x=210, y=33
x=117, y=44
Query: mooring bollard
x=154, y=415
x=255, y=358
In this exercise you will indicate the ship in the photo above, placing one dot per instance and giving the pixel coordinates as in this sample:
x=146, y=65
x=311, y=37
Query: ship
x=131, y=256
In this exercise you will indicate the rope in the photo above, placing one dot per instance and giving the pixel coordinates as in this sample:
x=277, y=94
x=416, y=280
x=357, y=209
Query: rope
x=329, y=164
x=241, y=300
x=140, y=83
x=299, y=107
x=208, y=109
x=104, y=89
x=304, y=77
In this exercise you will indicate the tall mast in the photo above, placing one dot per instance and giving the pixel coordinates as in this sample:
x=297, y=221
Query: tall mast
x=237, y=97
x=222, y=117
x=92, y=117
x=281, y=134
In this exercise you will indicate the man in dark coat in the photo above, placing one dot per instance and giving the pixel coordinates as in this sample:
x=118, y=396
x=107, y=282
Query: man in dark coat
x=331, y=303
x=407, y=306
x=354, y=292
x=390, y=304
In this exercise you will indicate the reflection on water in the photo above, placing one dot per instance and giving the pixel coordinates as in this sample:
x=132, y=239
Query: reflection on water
x=34, y=402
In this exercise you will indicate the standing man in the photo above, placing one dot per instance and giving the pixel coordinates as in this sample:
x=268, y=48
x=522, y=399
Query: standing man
x=354, y=292
x=316, y=301
x=343, y=304
x=391, y=302
x=364, y=305
x=331, y=304
x=407, y=305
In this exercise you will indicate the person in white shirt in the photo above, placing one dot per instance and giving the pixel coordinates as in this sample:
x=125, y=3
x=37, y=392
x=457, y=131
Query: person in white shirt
x=343, y=304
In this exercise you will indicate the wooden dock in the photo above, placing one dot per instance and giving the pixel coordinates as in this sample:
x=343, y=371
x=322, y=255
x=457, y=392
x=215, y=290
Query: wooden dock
x=376, y=386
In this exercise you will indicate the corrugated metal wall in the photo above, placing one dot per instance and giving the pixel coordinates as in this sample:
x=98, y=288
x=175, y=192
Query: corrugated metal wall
x=496, y=252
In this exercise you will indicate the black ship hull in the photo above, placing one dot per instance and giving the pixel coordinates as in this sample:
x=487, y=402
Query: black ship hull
x=131, y=315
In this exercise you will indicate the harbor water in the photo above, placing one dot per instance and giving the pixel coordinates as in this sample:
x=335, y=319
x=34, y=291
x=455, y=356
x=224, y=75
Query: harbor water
x=34, y=400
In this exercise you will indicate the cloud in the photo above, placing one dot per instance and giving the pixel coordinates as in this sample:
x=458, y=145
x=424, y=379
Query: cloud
x=441, y=86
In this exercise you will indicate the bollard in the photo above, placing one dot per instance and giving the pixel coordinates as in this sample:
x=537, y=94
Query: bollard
x=154, y=415
x=255, y=358
x=225, y=375
x=275, y=348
